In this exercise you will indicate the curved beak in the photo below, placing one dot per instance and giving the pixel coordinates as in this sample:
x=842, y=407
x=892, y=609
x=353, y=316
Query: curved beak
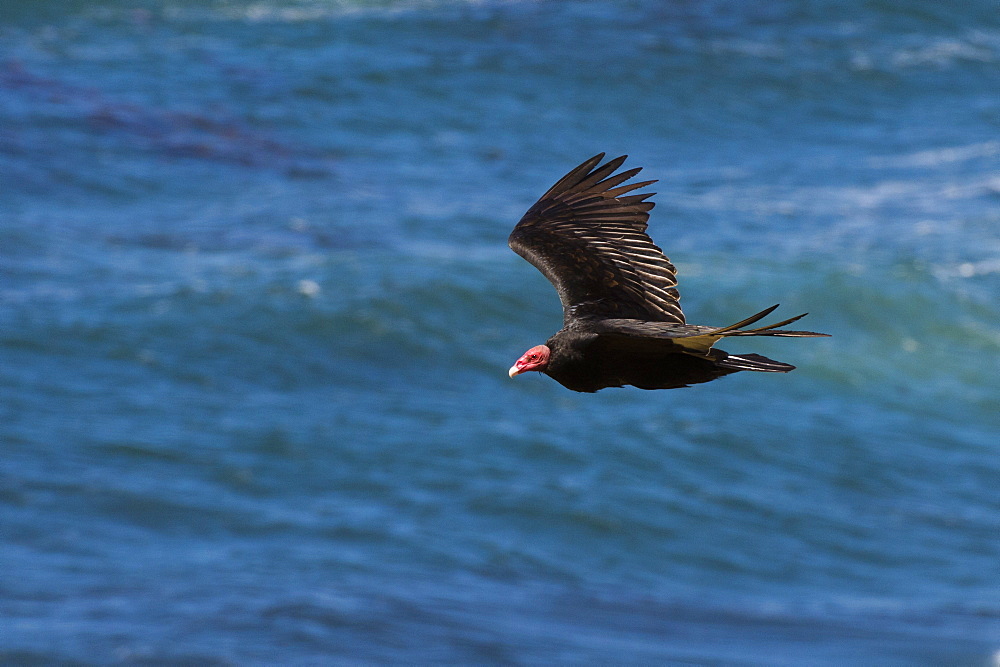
x=514, y=370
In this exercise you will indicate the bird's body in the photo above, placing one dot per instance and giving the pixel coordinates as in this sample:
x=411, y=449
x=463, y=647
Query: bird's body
x=587, y=361
x=622, y=323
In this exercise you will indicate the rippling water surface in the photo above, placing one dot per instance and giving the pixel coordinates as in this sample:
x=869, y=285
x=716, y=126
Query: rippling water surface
x=256, y=308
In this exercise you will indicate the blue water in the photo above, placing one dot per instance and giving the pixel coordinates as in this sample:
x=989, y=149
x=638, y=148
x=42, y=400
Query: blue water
x=256, y=311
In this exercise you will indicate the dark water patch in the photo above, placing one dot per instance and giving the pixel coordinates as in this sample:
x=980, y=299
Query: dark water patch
x=86, y=119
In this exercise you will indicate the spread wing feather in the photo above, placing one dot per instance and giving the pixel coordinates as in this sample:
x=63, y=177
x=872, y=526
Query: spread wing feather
x=587, y=235
x=697, y=339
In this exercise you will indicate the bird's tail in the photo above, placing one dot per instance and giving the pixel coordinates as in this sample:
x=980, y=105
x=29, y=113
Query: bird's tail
x=753, y=362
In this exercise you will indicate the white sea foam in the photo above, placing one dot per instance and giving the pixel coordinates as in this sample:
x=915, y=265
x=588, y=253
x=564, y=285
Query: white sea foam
x=939, y=156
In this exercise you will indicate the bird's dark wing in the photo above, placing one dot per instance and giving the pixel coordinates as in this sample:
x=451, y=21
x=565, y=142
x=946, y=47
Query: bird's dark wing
x=693, y=338
x=588, y=237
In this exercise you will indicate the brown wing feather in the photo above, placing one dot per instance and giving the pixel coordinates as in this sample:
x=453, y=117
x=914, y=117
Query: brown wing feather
x=588, y=237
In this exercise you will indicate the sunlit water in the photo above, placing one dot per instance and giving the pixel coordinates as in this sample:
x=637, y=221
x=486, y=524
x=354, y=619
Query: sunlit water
x=256, y=308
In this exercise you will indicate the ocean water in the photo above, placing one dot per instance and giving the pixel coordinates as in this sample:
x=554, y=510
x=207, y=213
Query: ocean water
x=256, y=311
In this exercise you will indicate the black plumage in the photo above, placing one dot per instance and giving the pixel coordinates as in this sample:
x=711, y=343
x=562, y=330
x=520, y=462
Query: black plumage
x=622, y=320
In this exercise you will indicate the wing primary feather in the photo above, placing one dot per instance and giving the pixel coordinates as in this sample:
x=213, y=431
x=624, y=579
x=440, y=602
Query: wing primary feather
x=742, y=323
x=775, y=326
x=598, y=175
x=583, y=168
x=612, y=181
x=616, y=192
x=769, y=330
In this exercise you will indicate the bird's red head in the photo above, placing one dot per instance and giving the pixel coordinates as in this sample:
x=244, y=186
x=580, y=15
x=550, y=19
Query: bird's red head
x=535, y=359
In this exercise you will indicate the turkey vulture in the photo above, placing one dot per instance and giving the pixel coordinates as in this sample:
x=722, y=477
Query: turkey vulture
x=622, y=323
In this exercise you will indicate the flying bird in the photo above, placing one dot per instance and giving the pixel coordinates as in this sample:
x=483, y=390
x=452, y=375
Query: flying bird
x=622, y=321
